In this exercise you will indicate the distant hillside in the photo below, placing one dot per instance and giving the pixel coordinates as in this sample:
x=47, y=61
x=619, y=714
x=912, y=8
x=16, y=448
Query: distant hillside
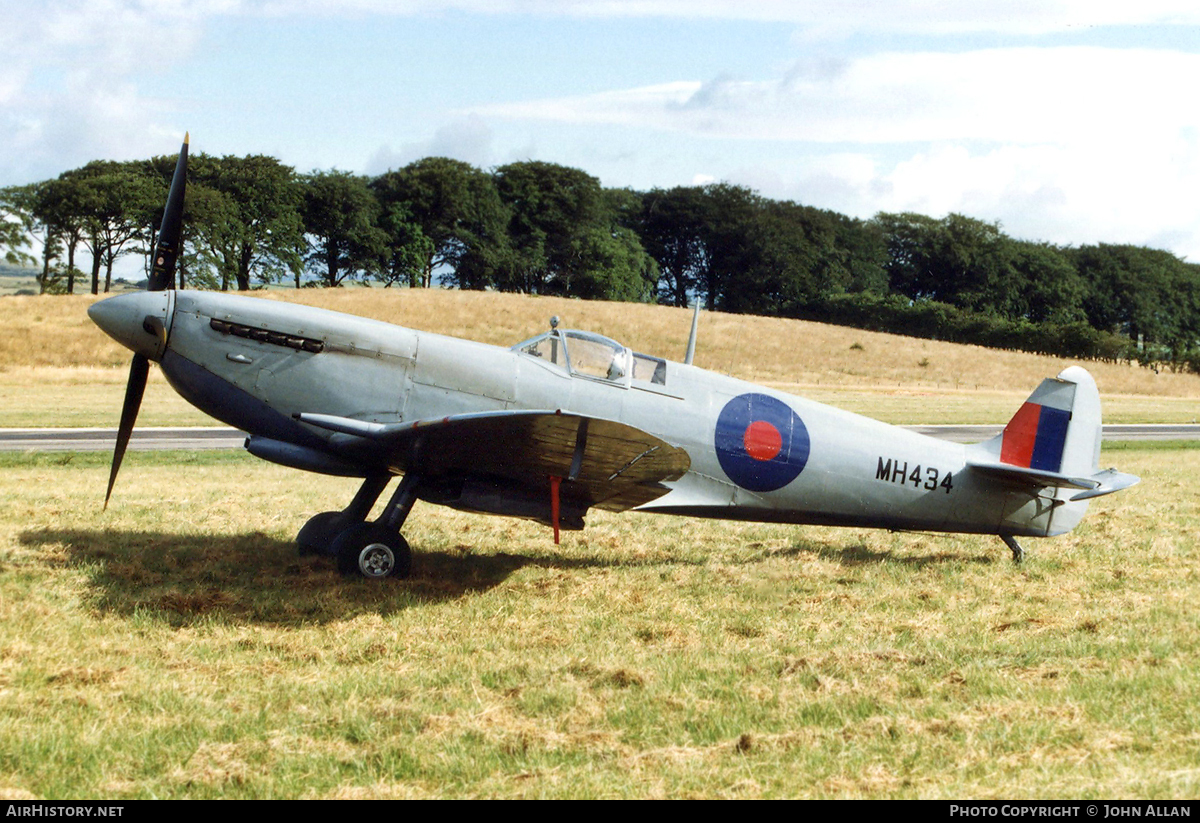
x=532, y=227
x=17, y=279
x=55, y=331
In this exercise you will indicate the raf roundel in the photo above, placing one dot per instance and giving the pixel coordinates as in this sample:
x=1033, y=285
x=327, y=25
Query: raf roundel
x=762, y=445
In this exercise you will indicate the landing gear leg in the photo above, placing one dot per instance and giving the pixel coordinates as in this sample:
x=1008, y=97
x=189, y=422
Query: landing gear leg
x=318, y=534
x=397, y=509
x=377, y=549
x=1017, y=552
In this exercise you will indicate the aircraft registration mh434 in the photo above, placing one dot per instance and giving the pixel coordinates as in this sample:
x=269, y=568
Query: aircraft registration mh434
x=570, y=420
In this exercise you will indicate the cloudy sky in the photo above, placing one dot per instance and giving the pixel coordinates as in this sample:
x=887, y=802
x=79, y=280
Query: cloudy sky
x=1070, y=121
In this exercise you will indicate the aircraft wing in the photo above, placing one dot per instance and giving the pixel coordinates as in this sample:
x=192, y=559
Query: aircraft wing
x=602, y=463
x=1095, y=485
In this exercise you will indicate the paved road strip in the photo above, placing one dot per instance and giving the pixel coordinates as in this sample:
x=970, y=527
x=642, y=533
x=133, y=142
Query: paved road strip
x=218, y=437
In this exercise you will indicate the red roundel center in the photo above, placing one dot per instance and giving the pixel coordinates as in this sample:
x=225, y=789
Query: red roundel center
x=762, y=440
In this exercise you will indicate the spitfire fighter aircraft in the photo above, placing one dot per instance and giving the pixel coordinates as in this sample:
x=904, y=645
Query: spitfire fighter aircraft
x=569, y=421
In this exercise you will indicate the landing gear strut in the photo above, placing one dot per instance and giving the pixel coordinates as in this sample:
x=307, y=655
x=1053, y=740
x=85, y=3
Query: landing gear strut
x=1017, y=552
x=318, y=534
x=375, y=549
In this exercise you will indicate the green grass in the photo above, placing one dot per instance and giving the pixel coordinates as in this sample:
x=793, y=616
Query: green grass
x=175, y=646
x=1150, y=445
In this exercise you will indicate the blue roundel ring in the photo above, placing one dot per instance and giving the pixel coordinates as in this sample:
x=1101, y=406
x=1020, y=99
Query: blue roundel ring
x=762, y=445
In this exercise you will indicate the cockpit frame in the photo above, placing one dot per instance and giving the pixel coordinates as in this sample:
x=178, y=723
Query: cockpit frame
x=593, y=356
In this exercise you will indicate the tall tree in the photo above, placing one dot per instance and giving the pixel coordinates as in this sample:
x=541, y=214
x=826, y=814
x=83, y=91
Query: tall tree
x=956, y=260
x=1141, y=292
x=567, y=235
x=251, y=225
x=791, y=259
x=673, y=226
x=864, y=251
x=731, y=218
x=1048, y=289
x=911, y=241
x=459, y=214
x=58, y=208
x=115, y=203
x=341, y=219
x=976, y=266
x=407, y=250
x=630, y=272
x=17, y=223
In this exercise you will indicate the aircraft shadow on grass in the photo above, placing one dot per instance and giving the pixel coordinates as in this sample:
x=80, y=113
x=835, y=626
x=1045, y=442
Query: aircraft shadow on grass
x=254, y=578
x=184, y=579
x=861, y=555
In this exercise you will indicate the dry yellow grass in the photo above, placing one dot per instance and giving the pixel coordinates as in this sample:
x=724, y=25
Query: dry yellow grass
x=175, y=646
x=822, y=361
x=77, y=396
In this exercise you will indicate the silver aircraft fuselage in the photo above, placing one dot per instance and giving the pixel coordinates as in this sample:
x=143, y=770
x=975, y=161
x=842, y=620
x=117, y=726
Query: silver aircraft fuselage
x=755, y=453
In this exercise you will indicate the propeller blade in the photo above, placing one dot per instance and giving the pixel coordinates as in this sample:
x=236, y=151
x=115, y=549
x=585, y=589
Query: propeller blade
x=170, y=234
x=162, y=277
x=138, y=371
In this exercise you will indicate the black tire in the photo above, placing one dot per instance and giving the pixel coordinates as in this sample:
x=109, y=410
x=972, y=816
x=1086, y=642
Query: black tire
x=318, y=534
x=373, y=551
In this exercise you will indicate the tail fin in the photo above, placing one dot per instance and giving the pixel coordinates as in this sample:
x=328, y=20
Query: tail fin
x=1053, y=441
x=1058, y=428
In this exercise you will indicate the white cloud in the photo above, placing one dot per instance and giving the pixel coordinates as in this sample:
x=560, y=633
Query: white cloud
x=468, y=139
x=1070, y=195
x=67, y=89
x=1070, y=145
x=815, y=18
x=1060, y=194
x=1024, y=95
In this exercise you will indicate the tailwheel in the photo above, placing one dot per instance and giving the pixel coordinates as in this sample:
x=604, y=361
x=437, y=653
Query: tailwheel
x=372, y=550
x=1018, y=553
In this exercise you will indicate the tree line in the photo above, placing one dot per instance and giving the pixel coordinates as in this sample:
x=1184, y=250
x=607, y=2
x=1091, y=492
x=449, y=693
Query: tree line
x=542, y=228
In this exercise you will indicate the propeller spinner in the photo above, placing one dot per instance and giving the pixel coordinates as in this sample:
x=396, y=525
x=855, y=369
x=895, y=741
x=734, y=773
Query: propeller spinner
x=114, y=315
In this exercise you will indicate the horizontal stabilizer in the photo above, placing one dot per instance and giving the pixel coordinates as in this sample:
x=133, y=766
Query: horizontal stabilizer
x=1095, y=485
x=1110, y=481
x=1033, y=477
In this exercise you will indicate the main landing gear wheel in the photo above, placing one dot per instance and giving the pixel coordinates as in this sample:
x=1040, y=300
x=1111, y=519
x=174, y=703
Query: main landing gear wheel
x=318, y=534
x=373, y=551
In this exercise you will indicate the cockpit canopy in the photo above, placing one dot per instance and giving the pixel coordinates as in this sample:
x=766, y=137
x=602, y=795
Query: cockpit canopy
x=594, y=356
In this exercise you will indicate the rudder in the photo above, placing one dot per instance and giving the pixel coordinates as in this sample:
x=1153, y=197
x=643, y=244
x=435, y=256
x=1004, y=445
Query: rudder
x=1058, y=429
x=1049, y=453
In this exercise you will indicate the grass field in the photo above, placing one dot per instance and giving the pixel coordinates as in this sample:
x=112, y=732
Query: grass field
x=175, y=645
